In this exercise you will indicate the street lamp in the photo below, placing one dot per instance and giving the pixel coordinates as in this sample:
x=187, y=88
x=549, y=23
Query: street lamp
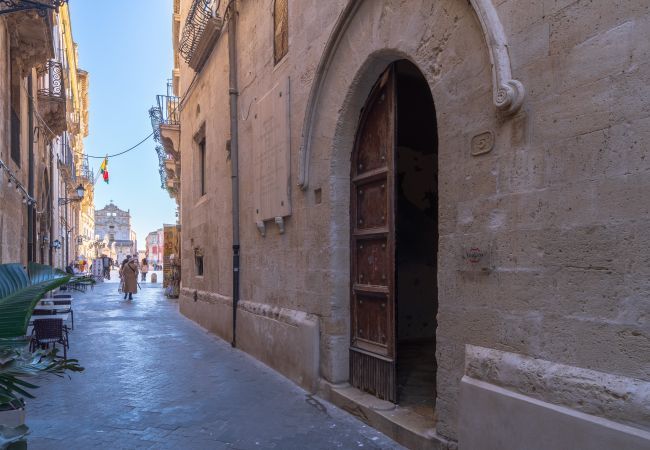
x=42, y=6
x=80, y=195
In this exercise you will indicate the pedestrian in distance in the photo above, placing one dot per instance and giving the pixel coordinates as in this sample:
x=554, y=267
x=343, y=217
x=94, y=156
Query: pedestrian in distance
x=129, y=274
x=144, y=269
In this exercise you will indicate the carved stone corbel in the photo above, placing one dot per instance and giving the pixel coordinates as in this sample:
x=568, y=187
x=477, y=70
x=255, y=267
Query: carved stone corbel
x=508, y=94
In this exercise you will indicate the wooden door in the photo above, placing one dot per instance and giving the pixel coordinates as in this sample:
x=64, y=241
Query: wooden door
x=372, y=231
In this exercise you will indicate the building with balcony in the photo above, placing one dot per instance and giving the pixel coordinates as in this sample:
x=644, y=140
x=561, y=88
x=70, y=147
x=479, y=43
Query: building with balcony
x=41, y=146
x=428, y=211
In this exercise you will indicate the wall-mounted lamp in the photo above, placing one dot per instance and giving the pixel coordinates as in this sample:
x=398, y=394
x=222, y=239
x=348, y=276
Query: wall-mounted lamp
x=80, y=195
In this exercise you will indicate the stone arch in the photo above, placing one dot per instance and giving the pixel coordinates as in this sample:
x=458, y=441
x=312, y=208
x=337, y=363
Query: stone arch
x=449, y=49
x=508, y=93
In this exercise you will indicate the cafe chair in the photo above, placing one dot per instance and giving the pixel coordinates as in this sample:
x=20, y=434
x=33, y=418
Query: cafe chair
x=49, y=331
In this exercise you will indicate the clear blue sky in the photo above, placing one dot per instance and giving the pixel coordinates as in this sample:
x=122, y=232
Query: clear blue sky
x=125, y=46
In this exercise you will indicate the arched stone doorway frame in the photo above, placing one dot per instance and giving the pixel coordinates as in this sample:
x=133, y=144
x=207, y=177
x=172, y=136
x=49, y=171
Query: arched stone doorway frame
x=357, y=52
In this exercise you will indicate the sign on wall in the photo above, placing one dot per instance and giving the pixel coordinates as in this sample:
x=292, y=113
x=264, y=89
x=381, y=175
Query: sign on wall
x=272, y=154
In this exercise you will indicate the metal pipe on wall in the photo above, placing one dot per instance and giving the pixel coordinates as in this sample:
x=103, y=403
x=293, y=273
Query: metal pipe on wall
x=31, y=216
x=234, y=161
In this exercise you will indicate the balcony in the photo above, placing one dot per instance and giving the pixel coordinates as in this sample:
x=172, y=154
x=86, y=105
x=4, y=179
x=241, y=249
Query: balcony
x=67, y=165
x=51, y=95
x=30, y=34
x=165, y=121
x=200, y=33
x=85, y=174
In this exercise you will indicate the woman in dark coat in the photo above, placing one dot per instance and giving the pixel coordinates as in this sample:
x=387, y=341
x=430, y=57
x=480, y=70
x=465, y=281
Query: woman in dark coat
x=129, y=275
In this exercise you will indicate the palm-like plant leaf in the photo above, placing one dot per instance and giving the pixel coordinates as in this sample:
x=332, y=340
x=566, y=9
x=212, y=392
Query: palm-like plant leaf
x=19, y=294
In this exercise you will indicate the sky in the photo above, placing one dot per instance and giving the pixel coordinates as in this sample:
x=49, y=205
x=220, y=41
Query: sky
x=126, y=47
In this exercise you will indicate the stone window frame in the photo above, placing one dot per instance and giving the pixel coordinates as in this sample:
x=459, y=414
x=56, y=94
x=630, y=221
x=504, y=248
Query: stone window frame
x=200, y=142
x=199, y=262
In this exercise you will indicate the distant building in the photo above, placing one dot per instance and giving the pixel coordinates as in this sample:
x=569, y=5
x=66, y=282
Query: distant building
x=113, y=224
x=154, y=246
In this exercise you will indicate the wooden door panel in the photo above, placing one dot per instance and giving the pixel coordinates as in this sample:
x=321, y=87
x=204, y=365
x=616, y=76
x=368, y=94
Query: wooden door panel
x=371, y=262
x=375, y=138
x=372, y=259
x=372, y=204
x=372, y=318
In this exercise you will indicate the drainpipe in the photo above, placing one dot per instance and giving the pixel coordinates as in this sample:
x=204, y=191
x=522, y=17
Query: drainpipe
x=51, y=205
x=31, y=228
x=234, y=160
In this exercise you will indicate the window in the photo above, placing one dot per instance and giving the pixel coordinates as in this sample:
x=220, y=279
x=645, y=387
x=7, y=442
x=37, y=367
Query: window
x=202, y=167
x=280, y=29
x=111, y=237
x=198, y=262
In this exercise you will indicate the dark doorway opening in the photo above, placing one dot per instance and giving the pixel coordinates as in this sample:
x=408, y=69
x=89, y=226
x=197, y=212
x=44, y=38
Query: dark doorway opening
x=416, y=230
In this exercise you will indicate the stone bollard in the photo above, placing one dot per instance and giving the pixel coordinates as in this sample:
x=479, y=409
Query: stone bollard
x=154, y=277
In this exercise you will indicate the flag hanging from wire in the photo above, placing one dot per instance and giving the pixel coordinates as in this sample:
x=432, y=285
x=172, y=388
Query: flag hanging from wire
x=103, y=168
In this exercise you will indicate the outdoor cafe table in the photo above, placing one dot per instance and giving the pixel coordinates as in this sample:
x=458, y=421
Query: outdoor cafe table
x=59, y=310
x=51, y=316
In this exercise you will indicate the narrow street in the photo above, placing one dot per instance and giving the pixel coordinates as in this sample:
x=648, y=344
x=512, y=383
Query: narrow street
x=154, y=379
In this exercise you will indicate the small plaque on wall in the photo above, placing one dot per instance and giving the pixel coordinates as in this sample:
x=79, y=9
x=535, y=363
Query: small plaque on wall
x=476, y=258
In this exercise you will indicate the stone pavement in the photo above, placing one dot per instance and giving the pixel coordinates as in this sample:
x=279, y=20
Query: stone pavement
x=154, y=379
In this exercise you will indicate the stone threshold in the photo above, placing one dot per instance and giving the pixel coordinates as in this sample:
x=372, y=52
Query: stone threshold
x=400, y=424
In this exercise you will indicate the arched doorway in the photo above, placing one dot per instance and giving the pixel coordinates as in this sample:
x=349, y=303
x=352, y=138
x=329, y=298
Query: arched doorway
x=394, y=236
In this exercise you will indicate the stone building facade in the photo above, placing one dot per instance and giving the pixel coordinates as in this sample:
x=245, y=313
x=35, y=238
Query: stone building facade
x=113, y=226
x=43, y=120
x=430, y=212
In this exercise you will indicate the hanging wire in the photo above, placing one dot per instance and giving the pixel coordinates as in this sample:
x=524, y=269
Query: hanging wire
x=54, y=136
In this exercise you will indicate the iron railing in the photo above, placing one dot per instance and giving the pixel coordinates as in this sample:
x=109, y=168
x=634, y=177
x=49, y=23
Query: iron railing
x=86, y=172
x=50, y=80
x=169, y=109
x=42, y=6
x=162, y=157
x=68, y=161
x=156, y=119
x=197, y=19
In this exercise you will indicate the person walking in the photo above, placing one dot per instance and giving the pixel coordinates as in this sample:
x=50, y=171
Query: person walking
x=129, y=275
x=144, y=268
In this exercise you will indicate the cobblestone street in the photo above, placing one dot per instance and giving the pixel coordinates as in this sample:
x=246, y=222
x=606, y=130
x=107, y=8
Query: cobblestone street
x=154, y=379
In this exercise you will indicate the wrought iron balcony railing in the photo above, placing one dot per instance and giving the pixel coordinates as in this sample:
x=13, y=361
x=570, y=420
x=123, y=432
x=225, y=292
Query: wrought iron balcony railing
x=67, y=162
x=156, y=119
x=86, y=172
x=197, y=19
x=42, y=6
x=50, y=80
x=201, y=30
x=169, y=109
x=162, y=157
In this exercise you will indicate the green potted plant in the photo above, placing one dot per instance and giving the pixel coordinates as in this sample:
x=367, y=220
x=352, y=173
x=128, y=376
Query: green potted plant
x=20, y=291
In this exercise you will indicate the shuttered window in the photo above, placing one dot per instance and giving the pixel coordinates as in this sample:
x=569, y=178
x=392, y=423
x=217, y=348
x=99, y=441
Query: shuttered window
x=280, y=29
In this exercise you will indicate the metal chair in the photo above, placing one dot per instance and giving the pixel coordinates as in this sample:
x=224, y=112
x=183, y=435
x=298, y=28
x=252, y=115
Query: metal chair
x=50, y=331
x=65, y=311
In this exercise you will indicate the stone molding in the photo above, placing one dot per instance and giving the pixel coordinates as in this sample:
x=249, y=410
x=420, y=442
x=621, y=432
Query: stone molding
x=508, y=93
x=289, y=316
x=614, y=397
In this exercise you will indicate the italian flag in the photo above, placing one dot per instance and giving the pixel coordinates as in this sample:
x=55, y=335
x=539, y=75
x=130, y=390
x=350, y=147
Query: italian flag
x=103, y=169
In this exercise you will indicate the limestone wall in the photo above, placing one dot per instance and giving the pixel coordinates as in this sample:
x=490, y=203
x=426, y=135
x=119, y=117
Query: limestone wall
x=559, y=200
x=13, y=215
